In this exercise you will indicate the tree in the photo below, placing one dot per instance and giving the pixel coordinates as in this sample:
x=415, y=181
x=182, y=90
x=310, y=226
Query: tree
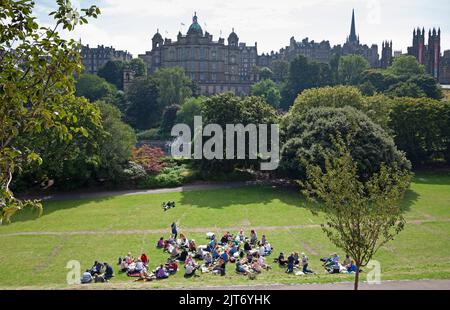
x=173, y=84
x=280, y=69
x=351, y=68
x=36, y=87
x=337, y=97
x=268, y=90
x=94, y=87
x=115, y=145
x=226, y=109
x=308, y=138
x=428, y=85
x=265, y=73
x=421, y=128
x=112, y=72
x=303, y=74
x=169, y=118
x=191, y=107
x=405, y=89
x=361, y=216
x=406, y=65
x=138, y=66
x=381, y=80
x=144, y=110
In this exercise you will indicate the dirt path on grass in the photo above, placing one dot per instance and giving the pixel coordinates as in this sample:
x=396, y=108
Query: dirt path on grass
x=216, y=230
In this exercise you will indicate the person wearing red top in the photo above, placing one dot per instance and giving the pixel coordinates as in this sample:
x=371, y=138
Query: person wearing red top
x=144, y=259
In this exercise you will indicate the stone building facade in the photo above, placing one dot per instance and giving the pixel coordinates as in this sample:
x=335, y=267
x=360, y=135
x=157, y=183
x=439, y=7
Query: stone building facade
x=215, y=66
x=94, y=58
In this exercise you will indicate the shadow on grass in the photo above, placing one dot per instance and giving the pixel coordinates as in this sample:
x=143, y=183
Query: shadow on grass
x=26, y=215
x=262, y=194
x=432, y=177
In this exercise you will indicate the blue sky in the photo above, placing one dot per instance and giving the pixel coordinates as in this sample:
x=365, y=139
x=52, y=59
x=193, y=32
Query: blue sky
x=130, y=24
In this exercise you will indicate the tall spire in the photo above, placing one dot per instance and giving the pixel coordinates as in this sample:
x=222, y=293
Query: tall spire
x=352, y=37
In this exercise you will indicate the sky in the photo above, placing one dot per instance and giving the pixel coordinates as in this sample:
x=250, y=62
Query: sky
x=130, y=24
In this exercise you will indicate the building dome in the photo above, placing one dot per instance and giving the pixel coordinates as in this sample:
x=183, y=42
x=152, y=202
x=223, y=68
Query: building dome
x=195, y=28
x=233, y=39
x=157, y=36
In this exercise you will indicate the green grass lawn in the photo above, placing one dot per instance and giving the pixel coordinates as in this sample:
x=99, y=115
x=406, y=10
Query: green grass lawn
x=87, y=230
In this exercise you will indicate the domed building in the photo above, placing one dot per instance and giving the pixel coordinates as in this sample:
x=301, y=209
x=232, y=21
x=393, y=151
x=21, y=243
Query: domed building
x=215, y=66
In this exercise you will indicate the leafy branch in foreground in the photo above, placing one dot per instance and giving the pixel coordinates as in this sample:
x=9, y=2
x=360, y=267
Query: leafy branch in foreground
x=361, y=216
x=36, y=88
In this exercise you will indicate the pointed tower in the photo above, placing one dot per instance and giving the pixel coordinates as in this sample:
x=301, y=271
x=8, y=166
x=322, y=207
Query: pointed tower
x=353, y=38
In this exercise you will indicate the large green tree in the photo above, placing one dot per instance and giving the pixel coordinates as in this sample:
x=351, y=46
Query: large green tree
x=280, y=69
x=191, y=107
x=351, y=68
x=36, y=86
x=112, y=72
x=143, y=110
x=268, y=90
x=173, y=84
x=94, y=87
x=406, y=65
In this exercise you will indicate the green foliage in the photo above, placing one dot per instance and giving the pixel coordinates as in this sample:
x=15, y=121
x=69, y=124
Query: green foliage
x=351, y=68
x=406, y=65
x=36, y=87
x=173, y=85
x=303, y=74
x=421, y=128
x=280, y=69
x=138, y=66
x=337, y=97
x=191, y=107
x=94, y=87
x=144, y=110
x=268, y=90
x=115, y=146
x=172, y=176
x=405, y=89
x=169, y=119
x=112, y=72
x=308, y=140
x=361, y=216
x=226, y=109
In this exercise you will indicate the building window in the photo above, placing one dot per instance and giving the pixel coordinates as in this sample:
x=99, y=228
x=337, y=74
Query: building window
x=213, y=76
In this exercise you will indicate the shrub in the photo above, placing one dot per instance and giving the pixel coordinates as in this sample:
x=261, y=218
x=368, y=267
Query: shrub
x=149, y=134
x=151, y=158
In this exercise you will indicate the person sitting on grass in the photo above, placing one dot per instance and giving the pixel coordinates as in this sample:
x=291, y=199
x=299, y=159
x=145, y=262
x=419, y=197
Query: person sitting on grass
x=290, y=263
x=183, y=255
x=280, y=259
x=247, y=246
x=351, y=267
x=220, y=267
x=347, y=261
x=97, y=268
x=256, y=267
x=171, y=266
x=262, y=262
x=240, y=268
x=263, y=240
x=240, y=236
x=207, y=259
x=87, y=277
x=109, y=272
x=139, y=266
x=160, y=244
x=296, y=259
x=253, y=237
x=224, y=256
x=161, y=273
x=305, y=262
x=144, y=259
x=192, y=245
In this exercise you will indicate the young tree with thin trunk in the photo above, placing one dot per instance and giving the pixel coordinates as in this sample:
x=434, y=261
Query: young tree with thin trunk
x=361, y=216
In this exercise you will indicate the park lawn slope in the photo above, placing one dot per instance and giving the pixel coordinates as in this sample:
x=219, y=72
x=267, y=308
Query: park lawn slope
x=106, y=228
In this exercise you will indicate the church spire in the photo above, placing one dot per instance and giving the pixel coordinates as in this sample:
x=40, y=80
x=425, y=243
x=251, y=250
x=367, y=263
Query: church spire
x=352, y=37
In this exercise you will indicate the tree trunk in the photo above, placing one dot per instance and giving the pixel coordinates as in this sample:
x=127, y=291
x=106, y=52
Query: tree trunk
x=356, y=277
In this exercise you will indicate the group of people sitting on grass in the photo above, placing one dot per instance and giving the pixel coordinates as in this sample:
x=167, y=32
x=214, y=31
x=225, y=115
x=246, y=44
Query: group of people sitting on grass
x=248, y=253
x=99, y=272
x=294, y=261
x=332, y=264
